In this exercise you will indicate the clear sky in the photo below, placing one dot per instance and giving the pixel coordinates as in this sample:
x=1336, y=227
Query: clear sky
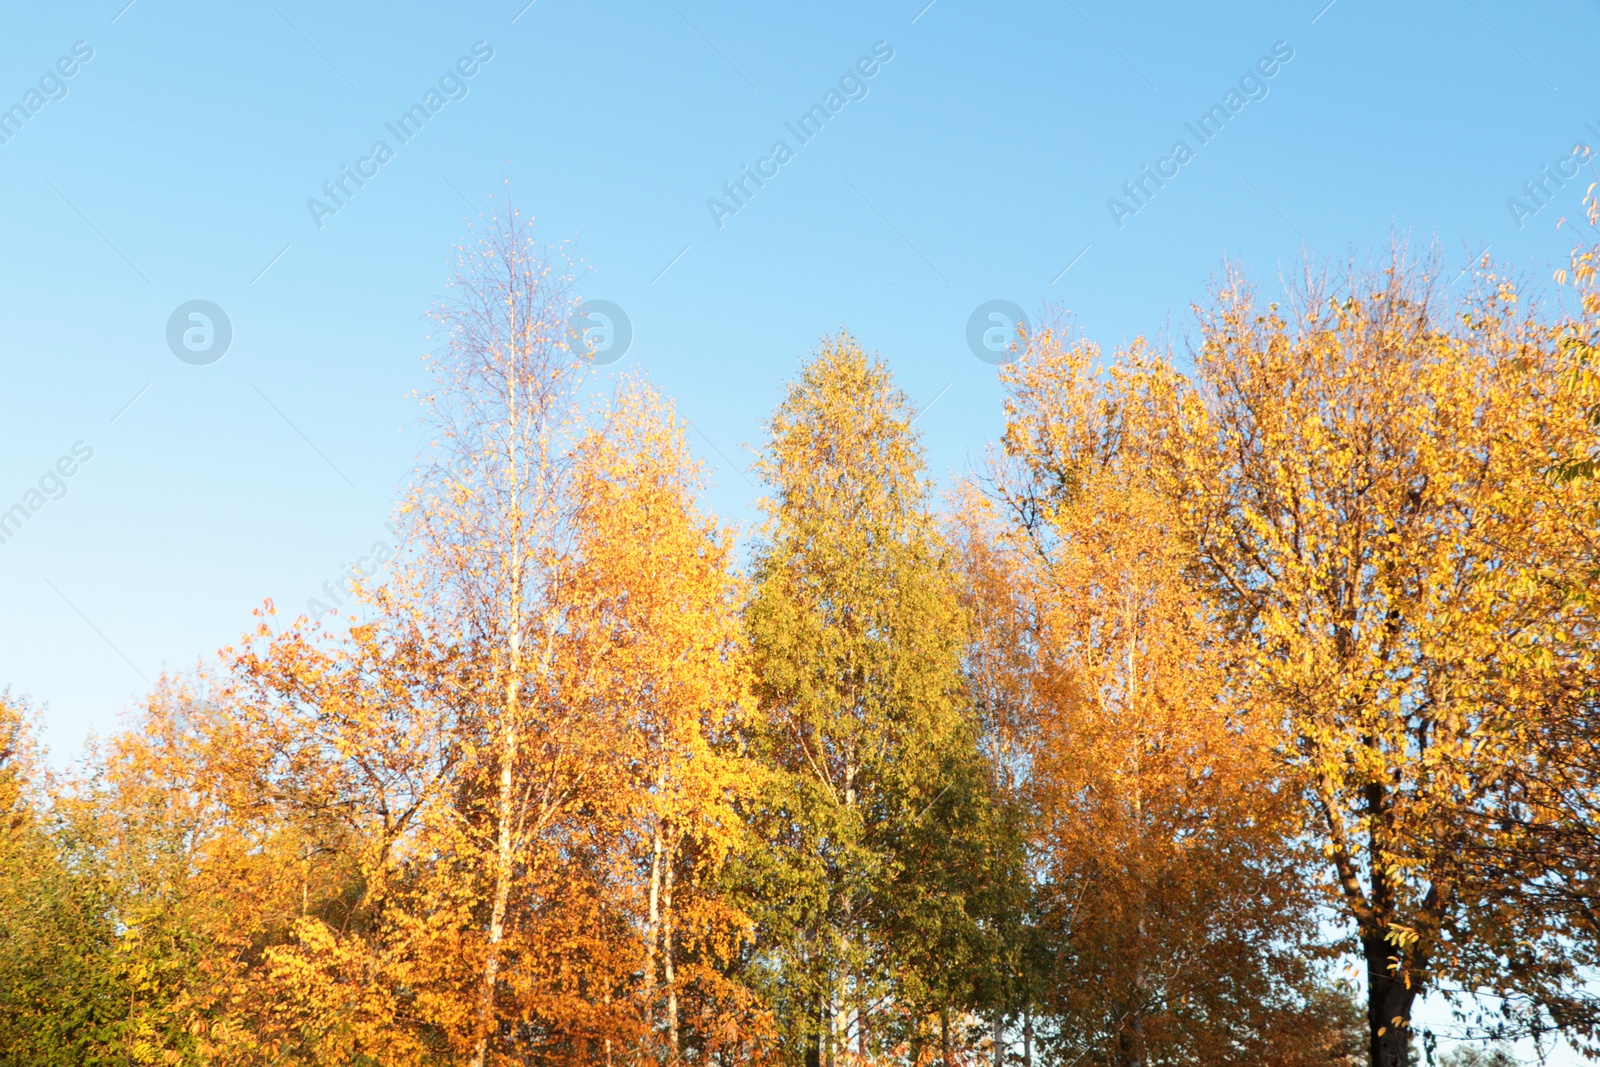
x=975, y=162
x=177, y=160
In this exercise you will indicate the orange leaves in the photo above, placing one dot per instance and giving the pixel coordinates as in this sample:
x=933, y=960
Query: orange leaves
x=572, y=790
x=1163, y=830
x=658, y=650
x=1368, y=508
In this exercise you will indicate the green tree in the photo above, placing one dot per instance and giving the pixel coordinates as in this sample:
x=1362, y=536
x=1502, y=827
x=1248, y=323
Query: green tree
x=58, y=998
x=878, y=816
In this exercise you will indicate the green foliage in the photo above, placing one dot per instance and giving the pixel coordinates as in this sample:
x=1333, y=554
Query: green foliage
x=891, y=856
x=61, y=995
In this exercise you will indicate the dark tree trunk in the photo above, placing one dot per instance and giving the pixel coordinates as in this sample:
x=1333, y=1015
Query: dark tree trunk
x=814, y=1043
x=1388, y=999
x=1130, y=1043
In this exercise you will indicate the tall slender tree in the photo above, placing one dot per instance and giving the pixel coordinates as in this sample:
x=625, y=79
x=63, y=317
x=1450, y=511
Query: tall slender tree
x=656, y=626
x=856, y=640
x=1000, y=667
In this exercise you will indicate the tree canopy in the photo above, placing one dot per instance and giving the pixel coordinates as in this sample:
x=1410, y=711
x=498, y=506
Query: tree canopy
x=1239, y=700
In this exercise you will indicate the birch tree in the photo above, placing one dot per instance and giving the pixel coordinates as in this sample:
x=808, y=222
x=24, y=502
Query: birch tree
x=493, y=527
x=655, y=617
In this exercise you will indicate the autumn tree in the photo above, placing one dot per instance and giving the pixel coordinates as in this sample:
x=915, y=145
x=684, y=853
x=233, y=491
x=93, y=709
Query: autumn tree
x=61, y=999
x=191, y=871
x=876, y=780
x=1000, y=665
x=1544, y=837
x=452, y=726
x=1363, y=511
x=494, y=542
x=358, y=737
x=660, y=647
x=1163, y=832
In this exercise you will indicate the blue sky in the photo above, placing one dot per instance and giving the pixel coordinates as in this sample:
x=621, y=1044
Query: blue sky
x=975, y=164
